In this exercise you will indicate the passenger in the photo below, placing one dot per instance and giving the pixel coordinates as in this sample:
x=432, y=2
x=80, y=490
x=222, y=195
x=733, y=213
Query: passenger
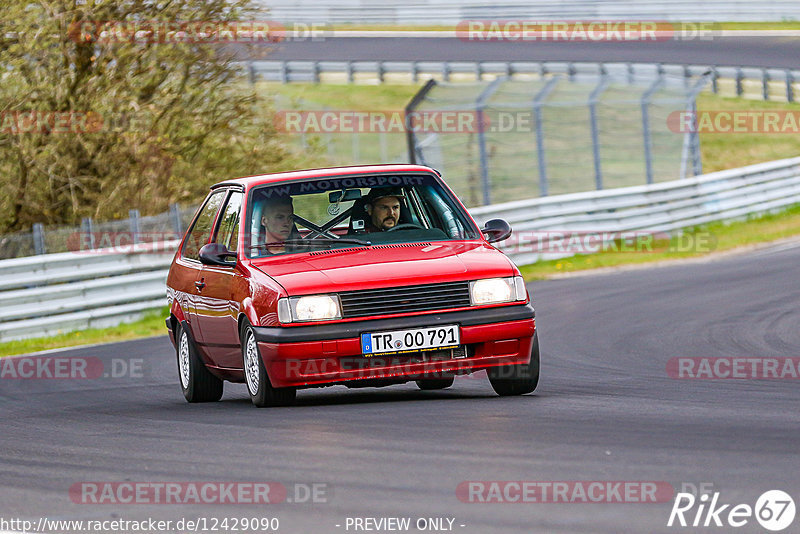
x=383, y=208
x=278, y=222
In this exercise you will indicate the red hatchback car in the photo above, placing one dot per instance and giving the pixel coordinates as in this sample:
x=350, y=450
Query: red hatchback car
x=360, y=276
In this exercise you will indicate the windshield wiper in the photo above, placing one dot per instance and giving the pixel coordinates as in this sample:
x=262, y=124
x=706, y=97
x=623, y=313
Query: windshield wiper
x=315, y=240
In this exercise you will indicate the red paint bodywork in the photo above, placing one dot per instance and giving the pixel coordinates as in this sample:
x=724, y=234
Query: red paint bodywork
x=252, y=288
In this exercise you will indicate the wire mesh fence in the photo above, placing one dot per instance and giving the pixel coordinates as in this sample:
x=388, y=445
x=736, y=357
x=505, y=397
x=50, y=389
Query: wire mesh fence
x=560, y=134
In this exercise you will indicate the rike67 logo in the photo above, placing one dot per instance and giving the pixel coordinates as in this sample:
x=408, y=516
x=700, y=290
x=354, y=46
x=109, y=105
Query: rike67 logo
x=774, y=510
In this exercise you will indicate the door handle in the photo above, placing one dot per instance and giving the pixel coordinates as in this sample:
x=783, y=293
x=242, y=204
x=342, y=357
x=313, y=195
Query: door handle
x=199, y=284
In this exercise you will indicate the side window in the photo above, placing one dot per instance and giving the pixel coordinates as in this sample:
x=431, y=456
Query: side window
x=229, y=225
x=201, y=230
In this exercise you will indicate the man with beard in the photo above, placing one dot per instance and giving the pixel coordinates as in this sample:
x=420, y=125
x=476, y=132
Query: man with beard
x=383, y=208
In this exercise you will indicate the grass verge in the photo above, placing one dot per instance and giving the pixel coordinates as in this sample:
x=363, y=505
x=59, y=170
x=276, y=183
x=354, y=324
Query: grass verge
x=151, y=324
x=695, y=242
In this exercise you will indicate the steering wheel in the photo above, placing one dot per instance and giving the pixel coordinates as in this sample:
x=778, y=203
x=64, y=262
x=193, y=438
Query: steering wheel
x=405, y=226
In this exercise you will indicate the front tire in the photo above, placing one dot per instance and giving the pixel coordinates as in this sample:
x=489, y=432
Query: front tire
x=510, y=380
x=258, y=385
x=197, y=382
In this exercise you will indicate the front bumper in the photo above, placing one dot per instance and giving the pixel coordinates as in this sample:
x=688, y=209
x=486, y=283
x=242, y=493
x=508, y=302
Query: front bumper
x=311, y=355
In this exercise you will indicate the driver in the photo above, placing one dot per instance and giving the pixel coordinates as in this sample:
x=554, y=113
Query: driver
x=277, y=220
x=383, y=207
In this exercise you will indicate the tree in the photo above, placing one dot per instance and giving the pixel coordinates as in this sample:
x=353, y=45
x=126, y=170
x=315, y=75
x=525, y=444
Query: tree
x=103, y=109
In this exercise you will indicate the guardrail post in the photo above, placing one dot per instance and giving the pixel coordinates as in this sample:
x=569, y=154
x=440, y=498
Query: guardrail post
x=351, y=76
x=714, y=80
x=542, y=70
x=765, y=84
x=739, y=78
x=315, y=71
x=509, y=70
x=571, y=72
x=381, y=71
x=537, y=116
x=446, y=71
x=175, y=217
x=789, y=86
x=284, y=71
x=87, y=229
x=251, y=72
x=631, y=74
x=38, y=239
x=133, y=222
x=593, y=98
x=480, y=107
x=648, y=142
x=414, y=71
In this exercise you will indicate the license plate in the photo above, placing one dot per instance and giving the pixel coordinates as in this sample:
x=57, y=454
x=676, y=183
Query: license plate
x=414, y=340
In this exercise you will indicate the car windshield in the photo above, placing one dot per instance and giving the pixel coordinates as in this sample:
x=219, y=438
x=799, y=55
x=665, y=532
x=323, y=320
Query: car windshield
x=359, y=211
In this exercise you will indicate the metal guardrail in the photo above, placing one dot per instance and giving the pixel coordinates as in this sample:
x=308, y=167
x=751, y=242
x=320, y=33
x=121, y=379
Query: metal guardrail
x=752, y=82
x=45, y=295
x=656, y=208
x=454, y=11
x=54, y=293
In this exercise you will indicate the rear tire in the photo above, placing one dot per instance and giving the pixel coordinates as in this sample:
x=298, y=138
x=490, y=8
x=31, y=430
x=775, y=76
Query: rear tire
x=258, y=385
x=428, y=384
x=197, y=382
x=510, y=380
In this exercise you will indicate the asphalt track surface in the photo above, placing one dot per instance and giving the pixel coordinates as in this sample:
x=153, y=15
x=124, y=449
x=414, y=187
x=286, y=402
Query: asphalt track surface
x=779, y=52
x=606, y=410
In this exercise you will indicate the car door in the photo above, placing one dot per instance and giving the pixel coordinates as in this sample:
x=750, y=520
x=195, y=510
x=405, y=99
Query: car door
x=187, y=265
x=216, y=312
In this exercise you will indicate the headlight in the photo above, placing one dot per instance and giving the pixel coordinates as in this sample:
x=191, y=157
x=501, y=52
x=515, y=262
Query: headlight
x=497, y=290
x=309, y=308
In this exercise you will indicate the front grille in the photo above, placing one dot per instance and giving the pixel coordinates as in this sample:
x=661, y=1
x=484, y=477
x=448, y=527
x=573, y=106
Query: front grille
x=391, y=300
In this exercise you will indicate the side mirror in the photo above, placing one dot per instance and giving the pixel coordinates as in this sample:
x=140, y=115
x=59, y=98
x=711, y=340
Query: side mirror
x=496, y=230
x=217, y=254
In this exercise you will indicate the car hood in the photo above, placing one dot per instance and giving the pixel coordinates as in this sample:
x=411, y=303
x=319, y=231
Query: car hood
x=385, y=266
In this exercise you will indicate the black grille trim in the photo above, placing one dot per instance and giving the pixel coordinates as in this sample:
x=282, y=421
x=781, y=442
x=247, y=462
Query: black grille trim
x=392, y=300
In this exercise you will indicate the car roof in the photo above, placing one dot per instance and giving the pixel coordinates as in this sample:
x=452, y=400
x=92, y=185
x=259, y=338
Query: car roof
x=249, y=181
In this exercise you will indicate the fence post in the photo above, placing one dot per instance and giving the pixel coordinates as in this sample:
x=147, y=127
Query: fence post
x=480, y=106
x=175, y=216
x=251, y=71
x=537, y=115
x=593, y=98
x=38, y=239
x=789, y=86
x=765, y=84
x=694, y=138
x=408, y=120
x=133, y=222
x=648, y=142
x=351, y=77
x=87, y=228
x=414, y=71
